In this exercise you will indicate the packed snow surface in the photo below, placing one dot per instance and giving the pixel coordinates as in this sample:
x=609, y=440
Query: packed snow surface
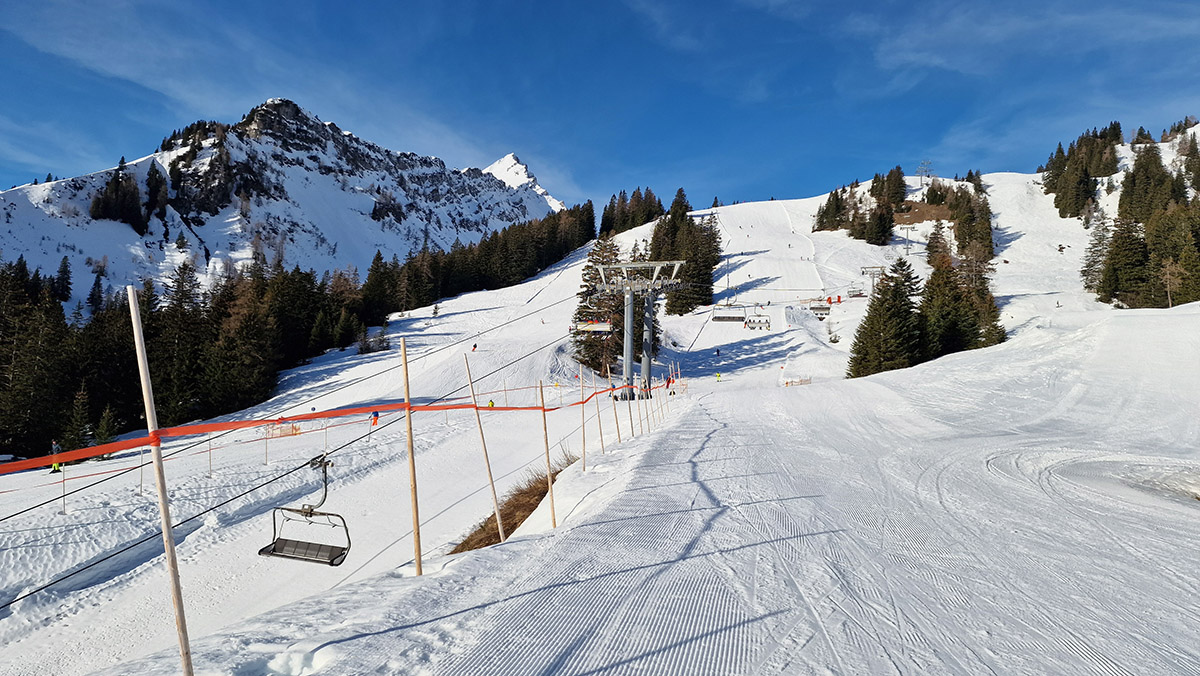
x=1027, y=508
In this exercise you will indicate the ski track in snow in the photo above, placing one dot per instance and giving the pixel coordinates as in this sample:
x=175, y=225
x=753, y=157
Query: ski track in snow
x=1029, y=508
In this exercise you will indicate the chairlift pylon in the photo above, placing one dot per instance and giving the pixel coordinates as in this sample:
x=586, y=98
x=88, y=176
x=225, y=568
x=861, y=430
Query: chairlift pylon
x=331, y=554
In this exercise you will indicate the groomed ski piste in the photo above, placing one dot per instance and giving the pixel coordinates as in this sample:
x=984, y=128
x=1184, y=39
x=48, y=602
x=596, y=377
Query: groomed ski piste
x=1023, y=509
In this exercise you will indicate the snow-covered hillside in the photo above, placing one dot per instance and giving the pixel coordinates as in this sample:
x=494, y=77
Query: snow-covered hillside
x=282, y=182
x=1027, y=508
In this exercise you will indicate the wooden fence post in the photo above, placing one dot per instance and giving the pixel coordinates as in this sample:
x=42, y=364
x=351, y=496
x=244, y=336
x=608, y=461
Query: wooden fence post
x=160, y=480
x=582, y=421
x=638, y=394
x=599, y=425
x=412, y=461
x=613, y=397
x=483, y=443
x=549, y=471
x=629, y=405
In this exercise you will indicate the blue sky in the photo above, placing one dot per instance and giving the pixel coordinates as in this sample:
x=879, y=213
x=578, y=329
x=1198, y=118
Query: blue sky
x=744, y=99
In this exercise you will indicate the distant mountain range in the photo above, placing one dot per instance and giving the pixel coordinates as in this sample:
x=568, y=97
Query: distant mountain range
x=280, y=182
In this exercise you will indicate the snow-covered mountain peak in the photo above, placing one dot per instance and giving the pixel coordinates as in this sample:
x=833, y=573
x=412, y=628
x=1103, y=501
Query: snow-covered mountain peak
x=515, y=174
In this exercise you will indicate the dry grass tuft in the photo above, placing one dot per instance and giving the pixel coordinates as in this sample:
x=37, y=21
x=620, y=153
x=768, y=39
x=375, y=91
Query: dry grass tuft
x=515, y=507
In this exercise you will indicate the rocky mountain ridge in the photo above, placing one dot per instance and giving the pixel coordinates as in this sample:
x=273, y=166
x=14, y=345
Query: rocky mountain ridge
x=280, y=183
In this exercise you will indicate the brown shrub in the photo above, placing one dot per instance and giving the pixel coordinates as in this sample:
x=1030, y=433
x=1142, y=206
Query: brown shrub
x=515, y=507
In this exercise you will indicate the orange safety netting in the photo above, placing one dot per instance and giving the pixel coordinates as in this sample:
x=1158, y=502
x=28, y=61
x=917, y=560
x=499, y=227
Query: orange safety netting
x=205, y=428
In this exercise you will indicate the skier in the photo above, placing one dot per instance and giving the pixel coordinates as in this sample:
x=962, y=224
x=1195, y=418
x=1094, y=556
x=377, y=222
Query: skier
x=54, y=450
x=718, y=352
x=718, y=377
x=491, y=403
x=473, y=346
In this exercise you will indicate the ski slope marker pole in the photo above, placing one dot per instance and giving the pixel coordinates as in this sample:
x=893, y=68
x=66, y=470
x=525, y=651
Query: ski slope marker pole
x=616, y=418
x=549, y=471
x=412, y=461
x=483, y=444
x=582, y=420
x=599, y=424
x=160, y=480
x=629, y=405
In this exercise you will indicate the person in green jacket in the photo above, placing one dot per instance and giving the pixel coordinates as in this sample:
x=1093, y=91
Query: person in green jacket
x=55, y=449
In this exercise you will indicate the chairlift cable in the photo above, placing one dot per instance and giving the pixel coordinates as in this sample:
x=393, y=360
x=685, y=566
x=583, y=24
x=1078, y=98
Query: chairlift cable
x=158, y=532
x=314, y=398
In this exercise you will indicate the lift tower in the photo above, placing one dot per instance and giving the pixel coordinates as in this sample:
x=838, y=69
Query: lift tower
x=650, y=278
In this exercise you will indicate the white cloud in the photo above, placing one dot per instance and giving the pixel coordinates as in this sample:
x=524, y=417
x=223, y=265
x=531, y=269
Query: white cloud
x=982, y=39
x=669, y=24
x=209, y=65
x=37, y=146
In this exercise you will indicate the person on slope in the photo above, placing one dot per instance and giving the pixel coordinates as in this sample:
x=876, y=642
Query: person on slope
x=55, y=449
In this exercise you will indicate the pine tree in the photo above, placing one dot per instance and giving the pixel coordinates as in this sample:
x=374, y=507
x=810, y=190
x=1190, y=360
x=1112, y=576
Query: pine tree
x=889, y=335
x=76, y=431
x=879, y=226
x=948, y=321
x=1097, y=251
x=321, y=336
x=1189, y=288
x=1147, y=188
x=156, y=193
x=1124, y=275
x=895, y=189
x=33, y=364
x=1191, y=165
x=176, y=353
x=599, y=351
x=60, y=284
x=106, y=429
x=344, y=330
x=937, y=249
x=377, y=297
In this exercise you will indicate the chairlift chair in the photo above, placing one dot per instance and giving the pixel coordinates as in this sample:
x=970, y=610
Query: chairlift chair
x=728, y=313
x=758, y=321
x=331, y=554
x=593, y=327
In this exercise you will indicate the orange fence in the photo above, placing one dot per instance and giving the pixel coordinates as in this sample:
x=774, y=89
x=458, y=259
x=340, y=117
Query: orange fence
x=205, y=428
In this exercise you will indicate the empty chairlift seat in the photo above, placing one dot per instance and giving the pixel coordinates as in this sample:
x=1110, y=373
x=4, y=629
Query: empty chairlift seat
x=729, y=313
x=326, y=538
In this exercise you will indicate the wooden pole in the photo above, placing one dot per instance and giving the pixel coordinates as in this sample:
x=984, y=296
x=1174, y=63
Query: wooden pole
x=506, y=391
x=616, y=418
x=641, y=413
x=266, y=441
x=582, y=422
x=599, y=425
x=549, y=471
x=628, y=391
x=483, y=443
x=63, y=472
x=650, y=403
x=412, y=461
x=160, y=480
x=210, y=472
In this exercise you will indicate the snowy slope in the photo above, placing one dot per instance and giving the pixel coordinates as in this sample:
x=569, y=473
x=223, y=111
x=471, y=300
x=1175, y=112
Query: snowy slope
x=1020, y=509
x=281, y=182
